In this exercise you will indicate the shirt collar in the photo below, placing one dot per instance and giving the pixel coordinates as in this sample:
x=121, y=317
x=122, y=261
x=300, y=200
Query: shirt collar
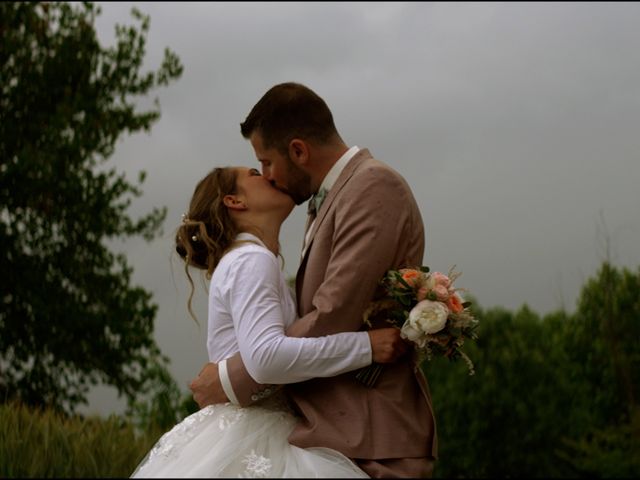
x=337, y=168
x=249, y=237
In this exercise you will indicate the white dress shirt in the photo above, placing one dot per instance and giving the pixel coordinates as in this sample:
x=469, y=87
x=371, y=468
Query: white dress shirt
x=250, y=305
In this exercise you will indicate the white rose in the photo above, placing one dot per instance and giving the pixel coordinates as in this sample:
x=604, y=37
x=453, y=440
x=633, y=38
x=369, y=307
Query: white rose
x=428, y=316
x=413, y=334
x=430, y=282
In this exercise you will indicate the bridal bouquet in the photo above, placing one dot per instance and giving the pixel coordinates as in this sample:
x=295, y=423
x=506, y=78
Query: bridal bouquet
x=429, y=312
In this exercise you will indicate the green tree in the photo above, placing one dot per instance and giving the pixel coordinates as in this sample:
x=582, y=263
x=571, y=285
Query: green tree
x=605, y=333
x=552, y=397
x=70, y=317
x=508, y=419
x=602, y=342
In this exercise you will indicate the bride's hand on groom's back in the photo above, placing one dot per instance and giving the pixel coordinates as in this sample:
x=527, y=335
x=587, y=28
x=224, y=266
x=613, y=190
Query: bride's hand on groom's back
x=386, y=345
x=206, y=387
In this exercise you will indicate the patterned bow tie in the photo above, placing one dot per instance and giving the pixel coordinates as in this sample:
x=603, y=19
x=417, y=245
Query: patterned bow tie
x=315, y=202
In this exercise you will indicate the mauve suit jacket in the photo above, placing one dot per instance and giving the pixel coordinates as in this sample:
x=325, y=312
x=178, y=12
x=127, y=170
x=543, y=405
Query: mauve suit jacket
x=369, y=223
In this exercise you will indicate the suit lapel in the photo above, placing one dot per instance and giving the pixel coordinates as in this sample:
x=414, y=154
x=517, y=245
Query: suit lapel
x=342, y=180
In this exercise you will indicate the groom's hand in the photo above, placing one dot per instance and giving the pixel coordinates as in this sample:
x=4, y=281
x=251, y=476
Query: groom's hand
x=206, y=387
x=387, y=345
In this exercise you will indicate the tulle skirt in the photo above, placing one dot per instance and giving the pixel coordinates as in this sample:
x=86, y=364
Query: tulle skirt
x=224, y=441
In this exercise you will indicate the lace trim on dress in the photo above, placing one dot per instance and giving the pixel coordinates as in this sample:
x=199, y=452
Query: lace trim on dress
x=257, y=466
x=179, y=434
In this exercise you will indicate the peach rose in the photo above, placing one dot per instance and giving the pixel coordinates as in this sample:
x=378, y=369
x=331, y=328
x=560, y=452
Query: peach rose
x=455, y=304
x=412, y=277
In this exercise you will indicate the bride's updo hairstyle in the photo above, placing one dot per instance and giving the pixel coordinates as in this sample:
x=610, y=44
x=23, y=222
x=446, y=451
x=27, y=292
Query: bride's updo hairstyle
x=207, y=230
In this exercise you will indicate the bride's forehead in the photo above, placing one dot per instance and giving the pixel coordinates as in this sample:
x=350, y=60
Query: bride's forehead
x=243, y=174
x=242, y=171
x=247, y=171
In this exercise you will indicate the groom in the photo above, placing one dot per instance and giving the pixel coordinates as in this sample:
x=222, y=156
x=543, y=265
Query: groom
x=363, y=221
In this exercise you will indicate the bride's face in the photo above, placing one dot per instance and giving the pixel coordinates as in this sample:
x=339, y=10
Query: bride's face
x=259, y=194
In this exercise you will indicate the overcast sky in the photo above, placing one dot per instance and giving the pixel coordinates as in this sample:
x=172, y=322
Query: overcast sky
x=517, y=126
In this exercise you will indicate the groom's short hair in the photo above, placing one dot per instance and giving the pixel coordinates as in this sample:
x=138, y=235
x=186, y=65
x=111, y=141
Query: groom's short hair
x=287, y=111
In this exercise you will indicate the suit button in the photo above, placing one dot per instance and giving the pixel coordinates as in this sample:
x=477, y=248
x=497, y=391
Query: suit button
x=254, y=397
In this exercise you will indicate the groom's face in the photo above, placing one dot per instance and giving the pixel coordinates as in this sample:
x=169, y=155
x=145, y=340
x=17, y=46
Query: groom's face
x=281, y=171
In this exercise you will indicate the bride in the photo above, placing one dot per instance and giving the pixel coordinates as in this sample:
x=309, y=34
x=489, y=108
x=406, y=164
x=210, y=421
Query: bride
x=231, y=231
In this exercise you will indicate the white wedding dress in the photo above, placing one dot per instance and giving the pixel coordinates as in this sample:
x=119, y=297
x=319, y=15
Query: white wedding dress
x=249, y=307
x=226, y=441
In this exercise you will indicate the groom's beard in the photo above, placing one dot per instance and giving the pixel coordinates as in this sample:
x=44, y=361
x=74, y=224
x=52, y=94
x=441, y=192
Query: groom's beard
x=298, y=185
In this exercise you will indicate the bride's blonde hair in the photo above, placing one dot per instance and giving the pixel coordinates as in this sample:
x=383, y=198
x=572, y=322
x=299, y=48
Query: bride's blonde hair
x=207, y=230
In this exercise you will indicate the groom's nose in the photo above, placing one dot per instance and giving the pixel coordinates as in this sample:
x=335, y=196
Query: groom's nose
x=266, y=172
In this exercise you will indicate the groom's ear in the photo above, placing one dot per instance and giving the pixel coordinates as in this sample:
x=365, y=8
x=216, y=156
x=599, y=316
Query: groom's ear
x=298, y=152
x=234, y=202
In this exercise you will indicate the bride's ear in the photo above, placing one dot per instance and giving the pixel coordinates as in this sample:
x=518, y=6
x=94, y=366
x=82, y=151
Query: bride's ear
x=234, y=202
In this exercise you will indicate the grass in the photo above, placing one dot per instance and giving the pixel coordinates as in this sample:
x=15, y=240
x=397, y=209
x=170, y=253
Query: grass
x=43, y=444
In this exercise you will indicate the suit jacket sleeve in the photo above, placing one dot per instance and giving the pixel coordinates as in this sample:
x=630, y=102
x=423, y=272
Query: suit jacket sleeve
x=245, y=388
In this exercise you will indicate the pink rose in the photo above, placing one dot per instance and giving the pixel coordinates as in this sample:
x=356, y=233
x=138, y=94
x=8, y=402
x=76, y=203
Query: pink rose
x=441, y=279
x=441, y=292
x=422, y=293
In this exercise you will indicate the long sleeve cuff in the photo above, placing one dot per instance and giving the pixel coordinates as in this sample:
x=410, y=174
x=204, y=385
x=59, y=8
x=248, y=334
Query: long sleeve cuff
x=226, y=382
